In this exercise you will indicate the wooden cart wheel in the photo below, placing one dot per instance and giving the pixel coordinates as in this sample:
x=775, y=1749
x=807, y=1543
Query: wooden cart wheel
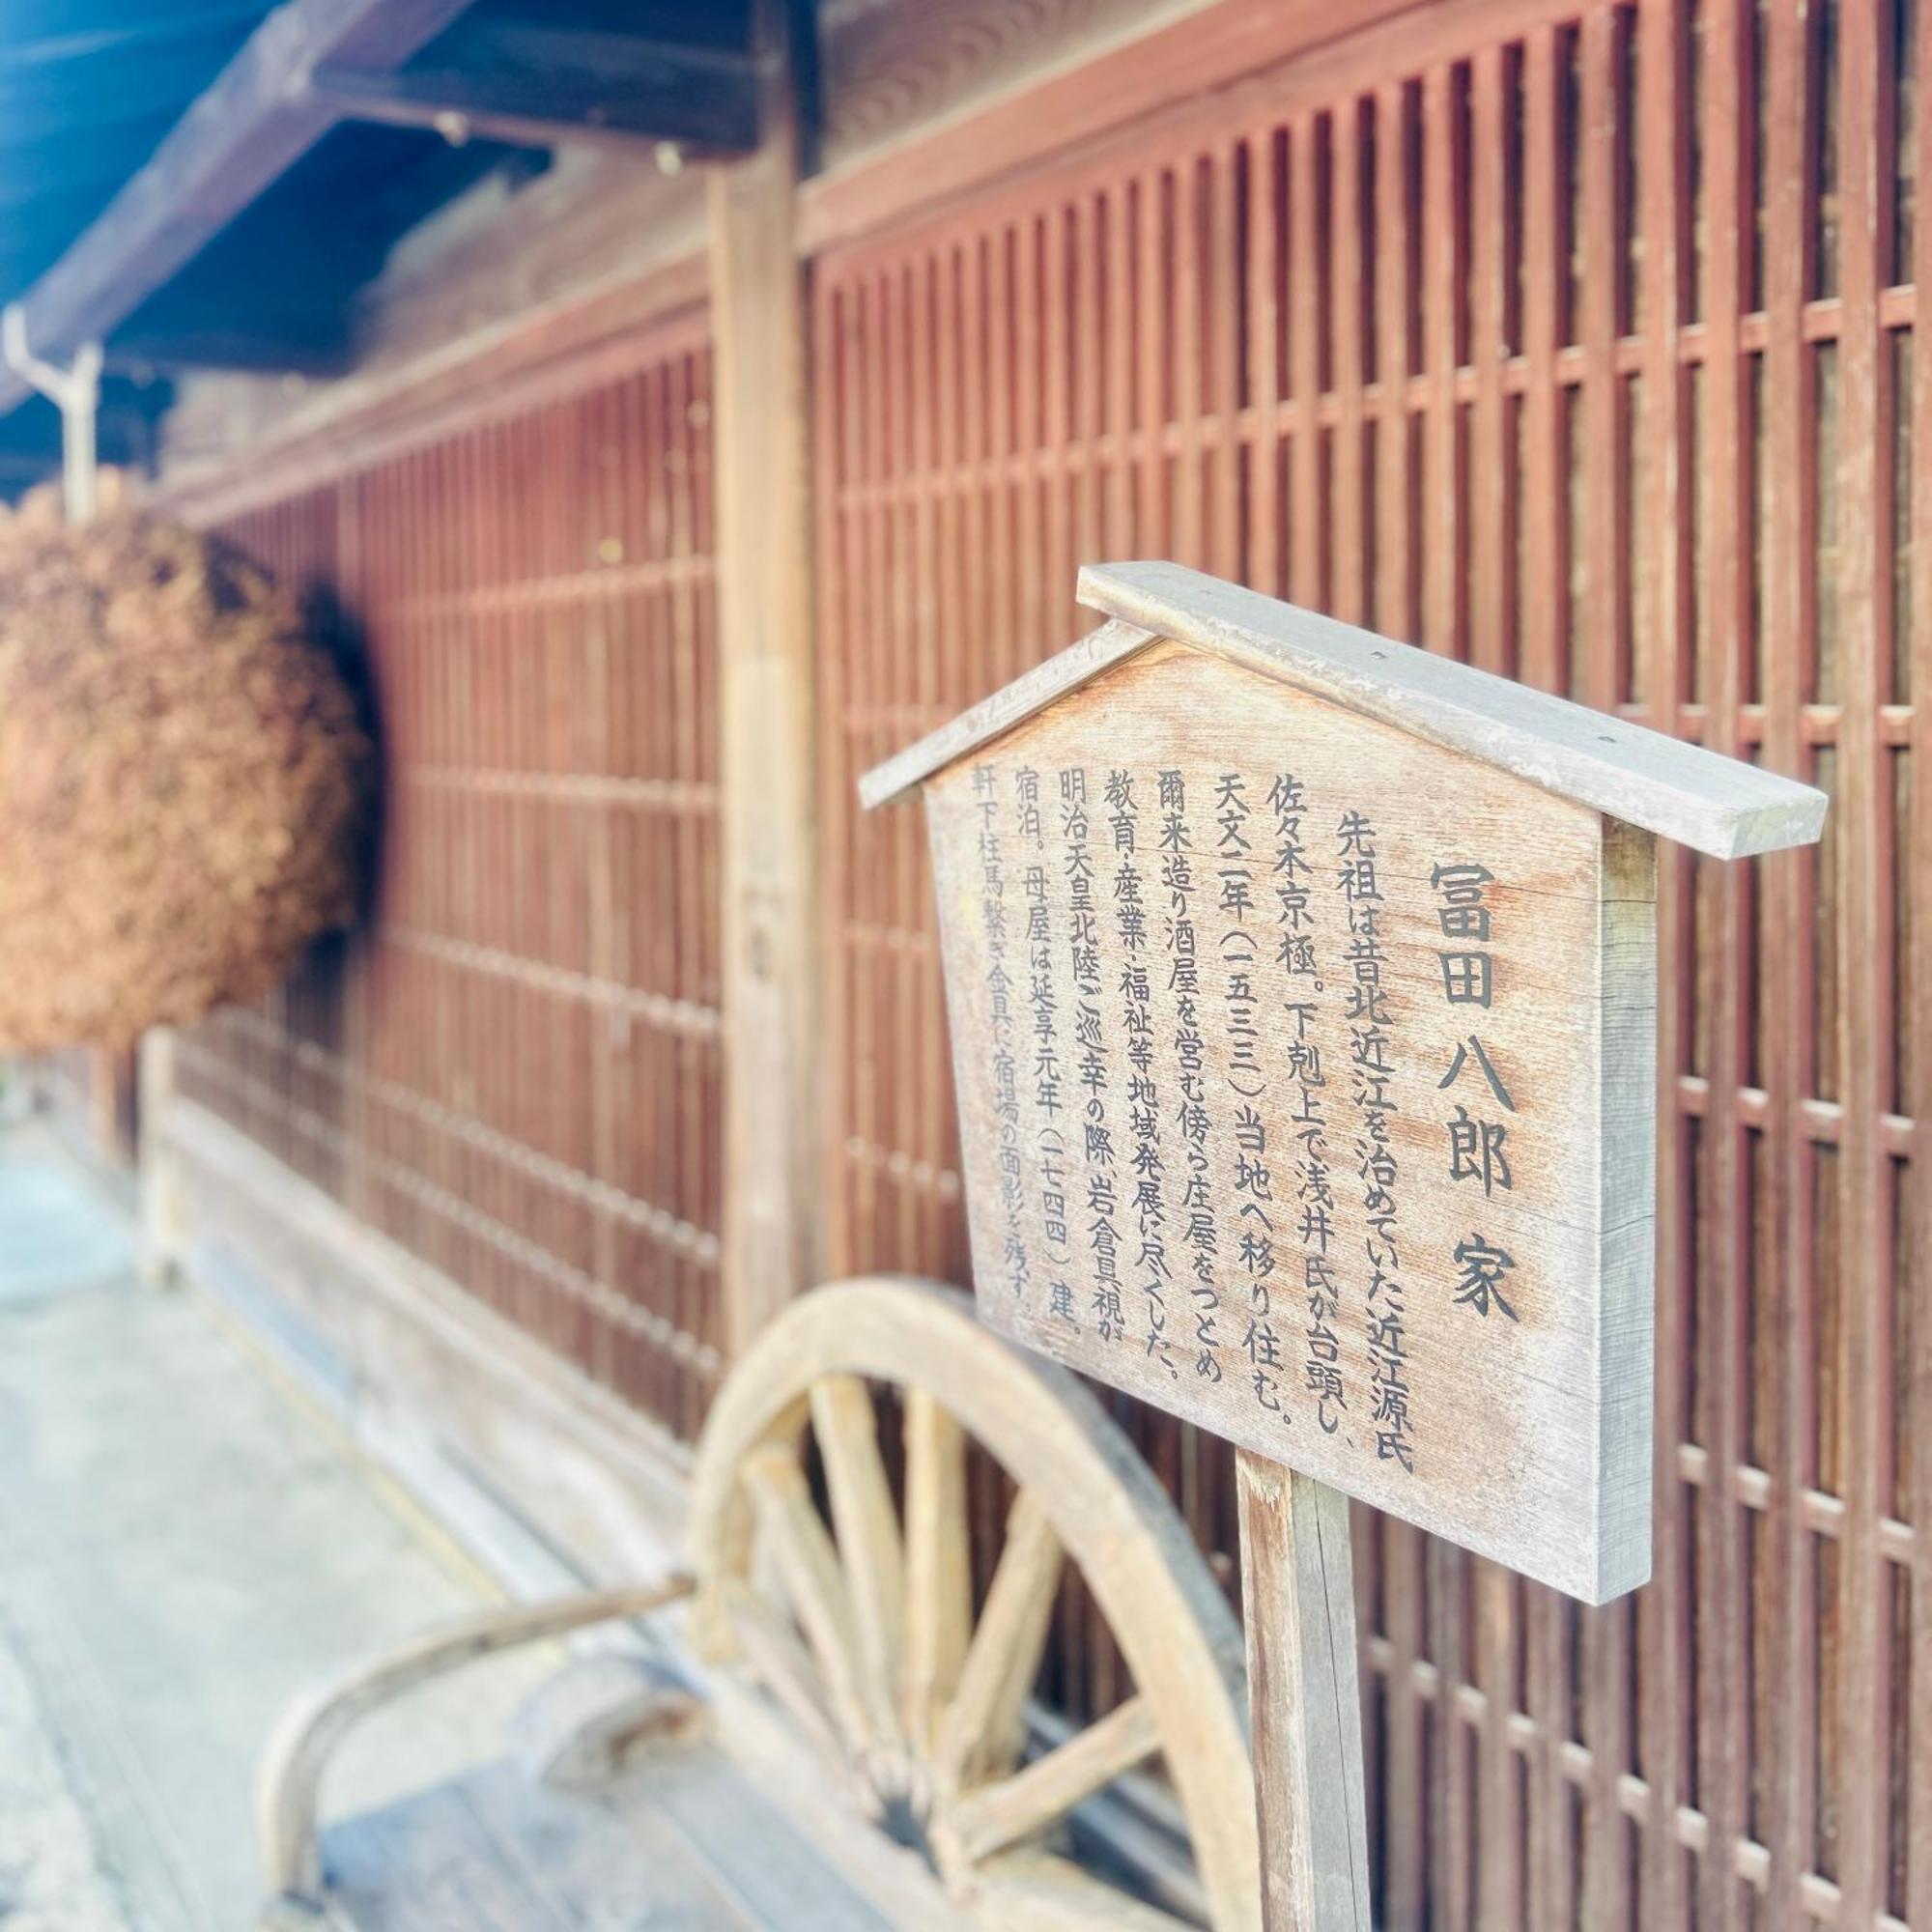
x=858, y=1621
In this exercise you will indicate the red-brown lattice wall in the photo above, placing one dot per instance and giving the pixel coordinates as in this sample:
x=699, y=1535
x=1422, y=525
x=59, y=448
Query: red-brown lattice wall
x=1578, y=343
x=515, y=1071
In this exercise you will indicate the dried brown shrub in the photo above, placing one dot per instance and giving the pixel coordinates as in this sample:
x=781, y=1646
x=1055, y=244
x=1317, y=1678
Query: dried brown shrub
x=183, y=782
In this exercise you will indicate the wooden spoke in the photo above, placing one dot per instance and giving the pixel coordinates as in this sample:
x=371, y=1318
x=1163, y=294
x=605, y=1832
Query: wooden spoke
x=1035, y=1892
x=1025, y=1805
x=865, y=1634
x=808, y=1569
x=784, y=1665
x=984, y=1726
x=938, y=1563
x=846, y=1426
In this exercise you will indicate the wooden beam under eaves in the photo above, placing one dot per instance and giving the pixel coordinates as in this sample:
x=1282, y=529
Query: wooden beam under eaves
x=538, y=86
x=256, y=118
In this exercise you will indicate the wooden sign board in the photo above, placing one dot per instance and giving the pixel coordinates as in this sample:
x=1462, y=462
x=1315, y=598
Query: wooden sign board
x=1294, y=1061
x=1302, y=992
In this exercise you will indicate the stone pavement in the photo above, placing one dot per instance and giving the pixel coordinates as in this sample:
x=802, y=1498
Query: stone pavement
x=184, y=1545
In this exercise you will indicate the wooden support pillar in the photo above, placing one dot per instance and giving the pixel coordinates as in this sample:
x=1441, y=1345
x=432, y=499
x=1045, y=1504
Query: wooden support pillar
x=765, y=639
x=1298, y=1598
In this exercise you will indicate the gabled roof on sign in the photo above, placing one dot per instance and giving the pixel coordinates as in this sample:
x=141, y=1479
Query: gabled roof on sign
x=1677, y=791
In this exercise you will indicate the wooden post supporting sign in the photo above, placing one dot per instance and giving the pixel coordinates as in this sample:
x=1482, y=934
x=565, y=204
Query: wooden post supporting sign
x=1302, y=988
x=1298, y=1599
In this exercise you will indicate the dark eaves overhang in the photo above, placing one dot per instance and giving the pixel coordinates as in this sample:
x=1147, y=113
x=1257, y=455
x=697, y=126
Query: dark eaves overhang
x=314, y=63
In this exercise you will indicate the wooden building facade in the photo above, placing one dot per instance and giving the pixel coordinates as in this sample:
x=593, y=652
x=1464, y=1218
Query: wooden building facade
x=1577, y=342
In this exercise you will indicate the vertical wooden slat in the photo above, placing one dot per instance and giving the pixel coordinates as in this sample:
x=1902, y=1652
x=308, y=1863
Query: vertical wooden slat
x=1445, y=507
x=1497, y=1595
x=1864, y=1017
x=1267, y=567
x=1114, y=326
x=1307, y=510
x=1186, y=374
x=1598, y=145
x=1545, y=257
x=1349, y=321
x=1404, y=1799
x=1543, y=664
x=1915, y=1370
x=1662, y=612
x=1784, y=442
x=1723, y=1629
x=1226, y=552
x=1491, y=500
x=1444, y=518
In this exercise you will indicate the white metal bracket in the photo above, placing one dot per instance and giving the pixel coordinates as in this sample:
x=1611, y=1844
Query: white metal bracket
x=76, y=394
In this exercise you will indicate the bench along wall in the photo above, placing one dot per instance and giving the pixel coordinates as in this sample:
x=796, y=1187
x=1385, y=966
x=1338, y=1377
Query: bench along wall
x=514, y=1071
x=1579, y=344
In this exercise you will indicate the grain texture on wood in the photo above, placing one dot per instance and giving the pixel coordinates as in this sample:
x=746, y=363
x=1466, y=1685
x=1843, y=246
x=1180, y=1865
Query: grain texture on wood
x=1305, y=1093
x=938, y=1562
x=764, y=632
x=1715, y=805
x=807, y=1562
x=1673, y=195
x=1000, y=1814
x=864, y=1516
x=984, y=1726
x=677, y=1844
x=1013, y=705
x=1084, y=1501
x=1298, y=1589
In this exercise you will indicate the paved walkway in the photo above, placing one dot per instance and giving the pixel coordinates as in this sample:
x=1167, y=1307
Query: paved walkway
x=182, y=1545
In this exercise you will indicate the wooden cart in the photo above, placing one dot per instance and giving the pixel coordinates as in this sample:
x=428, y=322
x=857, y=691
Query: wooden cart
x=831, y=1566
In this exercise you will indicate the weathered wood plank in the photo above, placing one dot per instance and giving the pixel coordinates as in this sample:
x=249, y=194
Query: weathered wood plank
x=1663, y=616
x=1298, y=1592
x=1675, y=790
x=1006, y=708
x=677, y=1843
x=1779, y=1763
x=1519, y=1427
x=432, y=1865
x=1037, y=1891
